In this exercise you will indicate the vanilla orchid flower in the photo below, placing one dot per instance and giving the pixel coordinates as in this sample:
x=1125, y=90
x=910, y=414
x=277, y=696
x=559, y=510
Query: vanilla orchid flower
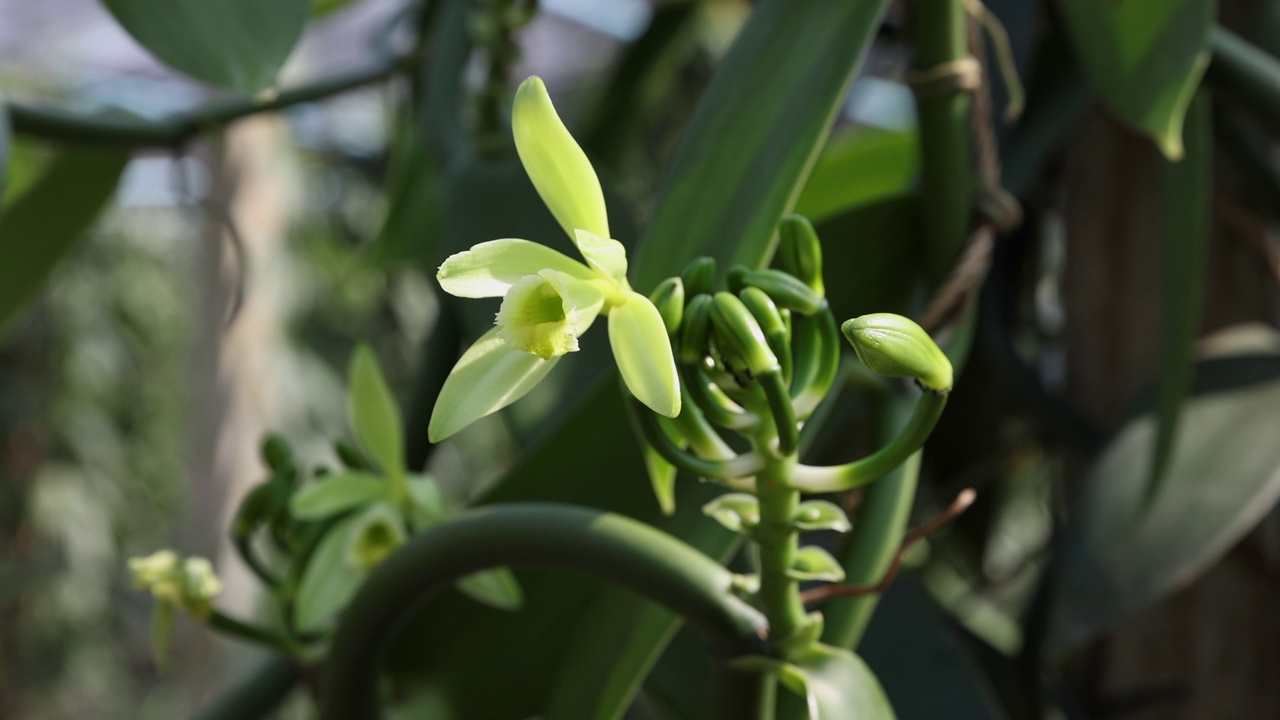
x=549, y=299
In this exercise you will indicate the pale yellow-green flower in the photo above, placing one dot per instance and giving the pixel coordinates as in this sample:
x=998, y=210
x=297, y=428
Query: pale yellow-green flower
x=189, y=585
x=549, y=299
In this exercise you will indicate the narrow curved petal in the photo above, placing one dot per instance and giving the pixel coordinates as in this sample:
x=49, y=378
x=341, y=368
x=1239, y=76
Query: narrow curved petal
x=490, y=376
x=491, y=268
x=604, y=254
x=642, y=351
x=558, y=168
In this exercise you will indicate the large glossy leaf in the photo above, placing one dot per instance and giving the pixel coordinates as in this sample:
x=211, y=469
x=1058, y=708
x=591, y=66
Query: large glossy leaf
x=4, y=147
x=43, y=223
x=239, y=44
x=1187, y=192
x=756, y=133
x=921, y=661
x=1224, y=475
x=1145, y=57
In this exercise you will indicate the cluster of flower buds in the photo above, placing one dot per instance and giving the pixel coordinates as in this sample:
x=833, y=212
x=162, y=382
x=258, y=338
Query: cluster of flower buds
x=188, y=584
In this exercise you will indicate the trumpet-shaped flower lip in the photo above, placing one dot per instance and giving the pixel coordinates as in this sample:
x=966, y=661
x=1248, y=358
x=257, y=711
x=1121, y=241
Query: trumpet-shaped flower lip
x=545, y=313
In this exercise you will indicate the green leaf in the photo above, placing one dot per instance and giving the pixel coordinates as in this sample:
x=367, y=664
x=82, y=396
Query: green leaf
x=411, y=229
x=814, y=563
x=870, y=258
x=909, y=639
x=428, y=505
x=1145, y=57
x=239, y=44
x=642, y=351
x=662, y=474
x=755, y=134
x=557, y=166
x=859, y=168
x=497, y=588
x=41, y=225
x=334, y=494
x=821, y=515
x=737, y=512
x=1187, y=193
x=374, y=414
x=835, y=685
x=1123, y=555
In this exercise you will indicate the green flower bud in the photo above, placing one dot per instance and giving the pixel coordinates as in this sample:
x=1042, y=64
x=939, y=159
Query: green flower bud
x=800, y=252
x=739, y=335
x=276, y=454
x=350, y=455
x=894, y=346
x=699, y=276
x=764, y=311
x=787, y=291
x=734, y=279
x=668, y=297
x=695, y=329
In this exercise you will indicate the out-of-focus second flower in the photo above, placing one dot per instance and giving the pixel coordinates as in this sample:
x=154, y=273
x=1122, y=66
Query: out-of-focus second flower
x=549, y=300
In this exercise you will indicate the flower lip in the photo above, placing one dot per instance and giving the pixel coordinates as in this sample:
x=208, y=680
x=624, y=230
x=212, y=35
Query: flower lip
x=544, y=314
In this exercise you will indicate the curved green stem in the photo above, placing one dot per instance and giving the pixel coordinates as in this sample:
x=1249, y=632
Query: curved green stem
x=74, y=127
x=738, y=467
x=784, y=416
x=609, y=546
x=855, y=474
x=715, y=405
x=244, y=547
x=827, y=350
x=228, y=625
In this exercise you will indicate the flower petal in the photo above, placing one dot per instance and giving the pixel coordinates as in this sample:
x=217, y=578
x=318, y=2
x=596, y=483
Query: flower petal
x=545, y=313
x=604, y=254
x=642, y=351
x=491, y=268
x=558, y=168
x=490, y=376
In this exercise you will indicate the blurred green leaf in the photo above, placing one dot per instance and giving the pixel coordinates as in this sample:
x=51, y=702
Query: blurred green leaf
x=1145, y=57
x=374, y=414
x=756, y=134
x=334, y=494
x=1122, y=555
x=497, y=588
x=410, y=232
x=41, y=225
x=870, y=257
x=859, y=168
x=836, y=685
x=5, y=137
x=1187, y=191
x=814, y=563
x=330, y=579
x=908, y=640
x=239, y=44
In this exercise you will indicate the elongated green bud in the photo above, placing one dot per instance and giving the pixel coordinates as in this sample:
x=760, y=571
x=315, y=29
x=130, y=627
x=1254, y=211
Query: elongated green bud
x=699, y=276
x=735, y=278
x=800, y=252
x=739, y=335
x=668, y=297
x=695, y=328
x=787, y=291
x=276, y=454
x=775, y=328
x=894, y=346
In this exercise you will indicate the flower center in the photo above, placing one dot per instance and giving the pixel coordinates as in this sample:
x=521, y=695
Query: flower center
x=536, y=318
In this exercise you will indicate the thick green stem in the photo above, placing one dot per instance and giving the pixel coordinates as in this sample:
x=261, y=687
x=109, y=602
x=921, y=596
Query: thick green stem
x=778, y=540
x=940, y=35
x=65, y=126
x=874, y=466
x=232, y=627
x=608, y=546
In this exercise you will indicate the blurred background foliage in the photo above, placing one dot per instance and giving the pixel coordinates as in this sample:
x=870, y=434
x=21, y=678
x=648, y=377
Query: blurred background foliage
x=180, y=273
